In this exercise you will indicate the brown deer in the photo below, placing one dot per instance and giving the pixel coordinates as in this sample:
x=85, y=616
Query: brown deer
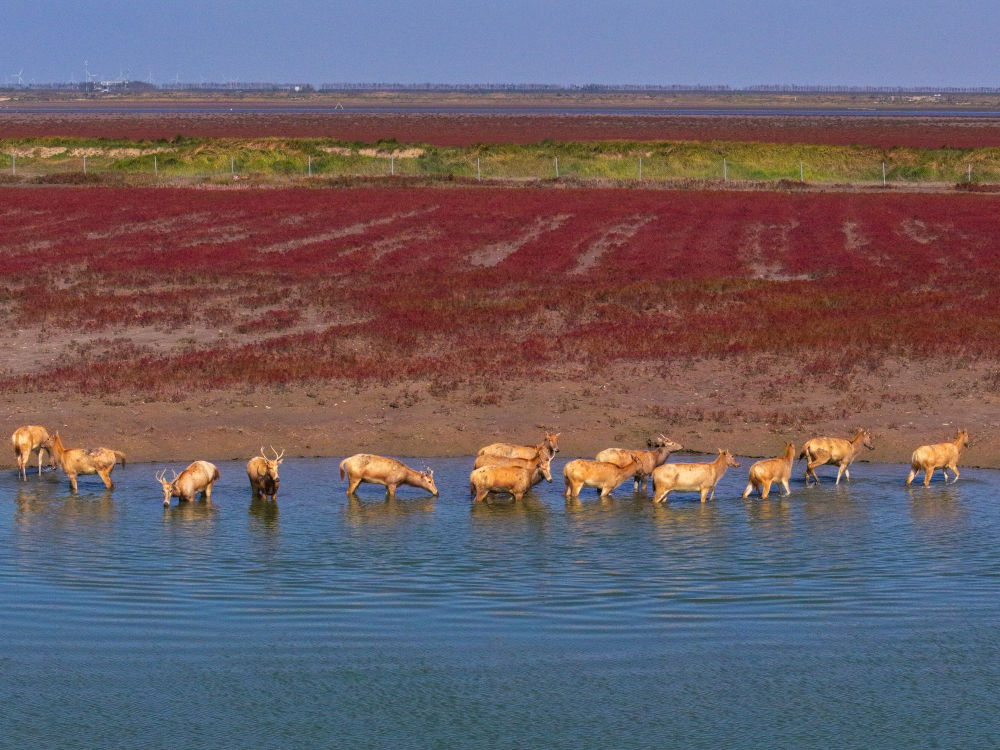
x=603, y=475
x=659, y=452
x=942, y=456
x=691, y=477
x=838, y=451
x=764, y=473
x=263, y=474
x=549, y=446
x=515, y=480
x=365, y=467
x=199, y=476
x=77, y=461
x=26, y=440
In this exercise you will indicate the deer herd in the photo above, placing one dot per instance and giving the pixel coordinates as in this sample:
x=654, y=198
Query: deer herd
x=507, y=468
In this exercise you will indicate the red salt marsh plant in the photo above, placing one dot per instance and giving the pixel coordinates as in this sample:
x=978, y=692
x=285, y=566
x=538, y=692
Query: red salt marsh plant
x=445, y=283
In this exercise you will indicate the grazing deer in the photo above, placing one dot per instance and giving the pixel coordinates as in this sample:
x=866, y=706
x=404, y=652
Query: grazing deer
x=942, y=456
x=826, y=450
x=549, y=446
x=602, y=475
x=364, y=467
x=658, y=454
x=199, y=476
x=515, y=480
x=26, y=440
x=764, y=473
x=76, y=461
x=263, y=474
x=692, y=477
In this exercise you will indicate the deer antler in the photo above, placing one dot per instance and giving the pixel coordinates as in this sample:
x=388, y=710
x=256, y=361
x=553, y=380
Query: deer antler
x=160, y=475
x=276, y=456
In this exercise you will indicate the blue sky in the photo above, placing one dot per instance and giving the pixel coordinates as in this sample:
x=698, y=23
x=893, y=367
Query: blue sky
x=888, y=43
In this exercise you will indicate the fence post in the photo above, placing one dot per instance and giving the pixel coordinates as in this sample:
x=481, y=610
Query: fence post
x=392, y=164
x=883, y=174
x=801, y=173
x=479, y=171
x=557, y=167
x=640, y=167
x=310, y=165
x=725, y=170
x=156, y=166
x=232, y=166
x=970, y=173
x=13, y=163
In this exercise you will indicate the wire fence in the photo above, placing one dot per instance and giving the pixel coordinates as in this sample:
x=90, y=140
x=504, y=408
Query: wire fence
x=164, y=167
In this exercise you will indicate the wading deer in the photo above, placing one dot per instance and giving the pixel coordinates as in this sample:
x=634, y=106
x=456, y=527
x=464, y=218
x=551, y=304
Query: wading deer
x=263, y=474
x=942, y=456
x=197, y=477
x=364, y=467
x=26, y=440
x=764, y=473
x=693, y=477
x=515, y=480
x=602, y=475
x=827, y=450
x=76, y=461
x=549, y=446
x=659, y=452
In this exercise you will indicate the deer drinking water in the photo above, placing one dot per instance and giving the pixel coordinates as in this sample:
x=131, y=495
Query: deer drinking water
x=365, y=467
x=199, y=476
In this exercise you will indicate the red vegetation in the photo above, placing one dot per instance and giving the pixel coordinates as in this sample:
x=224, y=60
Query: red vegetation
x=396, y=283
x=468, y=129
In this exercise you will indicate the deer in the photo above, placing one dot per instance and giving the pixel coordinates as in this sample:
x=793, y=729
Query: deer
x=691, y=477
x=549, y=446
x=512, y=479
x=199, y=476
x=764, y=473
x=603, y=475
x=263, y=474
x=942, y=456
x=838, y=451
x=77, y=461
x=365, y=467
x=658, y=453
x=26, y=440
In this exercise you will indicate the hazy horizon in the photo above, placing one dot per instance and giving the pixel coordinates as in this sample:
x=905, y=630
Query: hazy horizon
x=893, y=43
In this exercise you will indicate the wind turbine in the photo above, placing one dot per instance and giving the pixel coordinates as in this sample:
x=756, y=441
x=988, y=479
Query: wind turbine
x=20, y=81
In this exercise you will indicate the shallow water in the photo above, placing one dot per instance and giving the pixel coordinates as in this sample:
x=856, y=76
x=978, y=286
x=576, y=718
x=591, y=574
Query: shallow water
x=856, y=616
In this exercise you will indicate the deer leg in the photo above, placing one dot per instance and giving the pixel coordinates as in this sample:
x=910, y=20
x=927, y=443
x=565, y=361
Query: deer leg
x=748, y=490
x=390, y=492
x=910, y=476
x=840, y=473
x=72, y=482
x=352, y=486
x=954, y=469
x=21, y=470
x=766, y=490
x=106, y=478
x=788, y=490
x=40, y=452
x=206, y=494
x=659, y=499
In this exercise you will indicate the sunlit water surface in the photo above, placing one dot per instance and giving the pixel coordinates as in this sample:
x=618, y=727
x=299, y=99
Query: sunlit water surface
x=858, y=616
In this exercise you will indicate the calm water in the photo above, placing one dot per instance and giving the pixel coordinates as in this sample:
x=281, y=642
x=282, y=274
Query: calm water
x=863, y=616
